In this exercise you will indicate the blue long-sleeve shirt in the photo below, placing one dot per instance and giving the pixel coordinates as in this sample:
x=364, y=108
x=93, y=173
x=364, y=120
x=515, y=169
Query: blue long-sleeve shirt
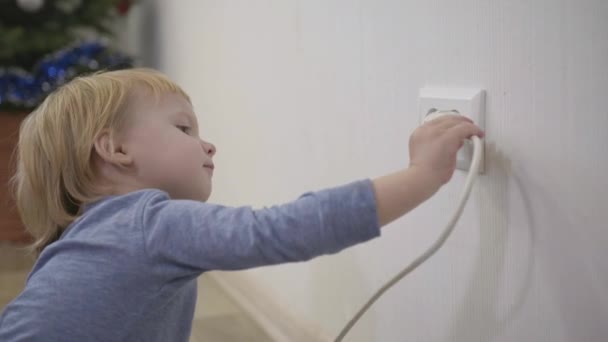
x=126, y=269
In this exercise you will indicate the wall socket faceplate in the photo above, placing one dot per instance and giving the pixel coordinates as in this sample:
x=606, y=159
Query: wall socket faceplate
x=469, y=102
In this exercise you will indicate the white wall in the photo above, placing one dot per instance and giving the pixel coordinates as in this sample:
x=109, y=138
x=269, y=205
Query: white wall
x=302, y=95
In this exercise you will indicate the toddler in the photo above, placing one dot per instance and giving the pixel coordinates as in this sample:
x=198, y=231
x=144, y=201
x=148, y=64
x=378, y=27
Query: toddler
x=112, y=181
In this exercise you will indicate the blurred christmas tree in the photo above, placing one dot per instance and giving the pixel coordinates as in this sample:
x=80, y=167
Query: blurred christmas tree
x=45, y=43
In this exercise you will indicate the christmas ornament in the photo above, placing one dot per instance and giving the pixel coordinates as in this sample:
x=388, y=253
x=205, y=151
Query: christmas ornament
x=68, y=6
x=124, y=6
x=30, y=5
x=19, y=88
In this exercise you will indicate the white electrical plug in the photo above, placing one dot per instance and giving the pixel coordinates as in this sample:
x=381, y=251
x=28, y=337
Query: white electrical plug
x=435, y=102
x=436, y=114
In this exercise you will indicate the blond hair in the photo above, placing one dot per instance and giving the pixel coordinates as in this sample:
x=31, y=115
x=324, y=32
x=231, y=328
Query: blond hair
x=55, y=175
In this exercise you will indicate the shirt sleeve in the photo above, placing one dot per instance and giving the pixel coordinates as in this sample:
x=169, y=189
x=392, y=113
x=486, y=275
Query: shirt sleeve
x=189, y=236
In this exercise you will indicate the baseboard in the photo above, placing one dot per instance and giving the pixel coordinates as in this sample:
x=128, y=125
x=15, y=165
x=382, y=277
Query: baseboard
x=280, y=324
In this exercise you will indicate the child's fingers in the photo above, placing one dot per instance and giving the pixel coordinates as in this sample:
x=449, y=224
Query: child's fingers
x=448, y=124
x=464, y=130
x=448, y=121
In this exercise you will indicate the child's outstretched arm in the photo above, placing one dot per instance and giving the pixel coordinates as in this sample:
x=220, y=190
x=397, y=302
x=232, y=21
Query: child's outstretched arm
x=187, y=237
x=433, y=148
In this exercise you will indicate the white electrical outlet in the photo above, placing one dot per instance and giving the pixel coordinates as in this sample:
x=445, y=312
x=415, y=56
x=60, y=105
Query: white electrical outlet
x=468, y=102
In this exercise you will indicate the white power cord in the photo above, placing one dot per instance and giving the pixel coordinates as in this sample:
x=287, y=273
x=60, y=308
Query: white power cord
x=471, y=177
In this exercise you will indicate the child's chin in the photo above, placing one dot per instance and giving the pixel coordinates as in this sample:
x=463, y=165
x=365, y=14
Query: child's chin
x=203, y=196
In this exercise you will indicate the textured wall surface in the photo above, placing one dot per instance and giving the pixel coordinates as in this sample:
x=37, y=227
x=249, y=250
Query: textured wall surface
x=302, y=95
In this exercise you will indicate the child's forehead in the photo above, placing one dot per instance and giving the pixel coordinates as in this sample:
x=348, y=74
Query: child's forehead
x=145, y=94
x=166, y=102
x=144, y=105
x=183, y=115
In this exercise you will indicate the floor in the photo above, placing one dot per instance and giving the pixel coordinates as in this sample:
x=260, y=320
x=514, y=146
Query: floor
x=217, y=317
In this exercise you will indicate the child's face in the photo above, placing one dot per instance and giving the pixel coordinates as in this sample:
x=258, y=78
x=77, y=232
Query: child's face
x=163, y=140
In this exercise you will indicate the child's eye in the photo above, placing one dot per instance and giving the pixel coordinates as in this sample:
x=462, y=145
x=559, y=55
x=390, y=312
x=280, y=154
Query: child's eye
x=184, y=129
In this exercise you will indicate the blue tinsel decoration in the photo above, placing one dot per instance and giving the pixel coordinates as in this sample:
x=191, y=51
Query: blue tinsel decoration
x=20, y=88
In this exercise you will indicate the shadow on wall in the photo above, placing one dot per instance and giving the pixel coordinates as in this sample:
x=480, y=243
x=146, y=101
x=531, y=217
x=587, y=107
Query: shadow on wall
x=568, y=260
x=339, y=288
x=477, y=317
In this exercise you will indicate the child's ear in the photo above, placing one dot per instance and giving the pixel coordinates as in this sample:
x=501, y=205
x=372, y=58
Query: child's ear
x=109, y=149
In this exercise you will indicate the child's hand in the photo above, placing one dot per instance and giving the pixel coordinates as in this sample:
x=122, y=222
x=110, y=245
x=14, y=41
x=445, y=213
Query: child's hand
x=433, y=146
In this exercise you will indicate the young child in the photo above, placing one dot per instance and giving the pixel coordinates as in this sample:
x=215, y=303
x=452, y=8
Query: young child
x=112, y=180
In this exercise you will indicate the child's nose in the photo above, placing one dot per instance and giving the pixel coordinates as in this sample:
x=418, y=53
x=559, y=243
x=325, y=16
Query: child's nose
x=208, y=147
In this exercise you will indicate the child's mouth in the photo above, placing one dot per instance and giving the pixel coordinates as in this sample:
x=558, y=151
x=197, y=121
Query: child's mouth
x=209, y=167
